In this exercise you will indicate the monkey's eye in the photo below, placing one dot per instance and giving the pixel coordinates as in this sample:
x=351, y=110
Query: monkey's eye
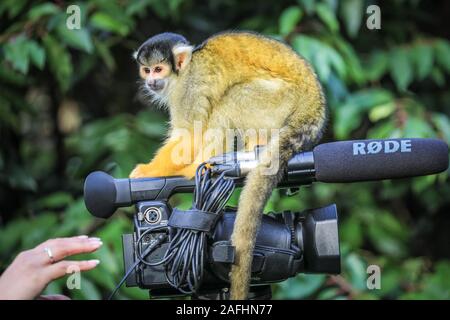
x=157, y=69
x=146, y=70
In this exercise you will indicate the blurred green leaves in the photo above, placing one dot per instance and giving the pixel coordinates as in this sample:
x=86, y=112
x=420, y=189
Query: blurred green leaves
x=349, y=114
x=50, y=37
x=120, y=143
x=352, y=12
x=21, y=51
x=442, y=52
x=42, y=10
x=324, y=58
x=59, y=61
x=401, y=68
x=328, y=17
x=299, y=287
x=383, y=83
x=289, y=19
x=78, y=39
x=106, y=22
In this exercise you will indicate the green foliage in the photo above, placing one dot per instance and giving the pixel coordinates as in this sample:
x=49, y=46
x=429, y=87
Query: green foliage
x=289, y=19
x=68, y=106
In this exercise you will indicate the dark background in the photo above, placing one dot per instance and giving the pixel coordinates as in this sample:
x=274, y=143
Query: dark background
x=69, y=104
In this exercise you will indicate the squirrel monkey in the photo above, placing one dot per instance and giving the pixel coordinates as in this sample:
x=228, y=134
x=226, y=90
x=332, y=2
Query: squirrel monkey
x=236, y=80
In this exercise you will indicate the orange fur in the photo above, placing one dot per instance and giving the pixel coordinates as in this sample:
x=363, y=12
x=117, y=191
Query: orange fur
x=163, y=163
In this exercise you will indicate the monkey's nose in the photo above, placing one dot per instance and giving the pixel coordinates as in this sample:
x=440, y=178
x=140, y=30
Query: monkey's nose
x=155, y=84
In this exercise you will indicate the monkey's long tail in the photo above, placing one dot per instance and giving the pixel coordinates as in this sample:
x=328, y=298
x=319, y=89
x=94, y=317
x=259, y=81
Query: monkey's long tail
x=256, y=192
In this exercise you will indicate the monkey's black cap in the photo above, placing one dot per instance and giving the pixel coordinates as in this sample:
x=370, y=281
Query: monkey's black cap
x=159, y=48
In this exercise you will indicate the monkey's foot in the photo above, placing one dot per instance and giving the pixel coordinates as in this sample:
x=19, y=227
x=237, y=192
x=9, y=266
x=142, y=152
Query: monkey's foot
x=143, y=171
x=188, y=172
x=149, y=171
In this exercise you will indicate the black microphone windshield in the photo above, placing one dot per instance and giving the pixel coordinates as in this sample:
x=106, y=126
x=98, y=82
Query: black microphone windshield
x=362, y=160
x=100, y=194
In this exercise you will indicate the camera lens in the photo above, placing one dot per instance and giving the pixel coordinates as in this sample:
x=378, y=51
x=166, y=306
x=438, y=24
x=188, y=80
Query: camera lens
x=152, y=215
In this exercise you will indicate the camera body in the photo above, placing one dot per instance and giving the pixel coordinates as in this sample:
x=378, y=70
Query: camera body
x=287, y=243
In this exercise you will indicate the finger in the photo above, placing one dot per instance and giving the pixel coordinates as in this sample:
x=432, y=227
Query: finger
x=79, y=237
x=53, y=297
x=63, y=247
x=61, y=268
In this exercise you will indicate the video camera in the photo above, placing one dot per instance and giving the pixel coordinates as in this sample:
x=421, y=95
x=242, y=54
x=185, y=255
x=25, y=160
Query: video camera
x=189, y=252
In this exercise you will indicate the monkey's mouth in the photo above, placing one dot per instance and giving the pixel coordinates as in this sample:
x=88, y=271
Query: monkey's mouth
x=156, y=86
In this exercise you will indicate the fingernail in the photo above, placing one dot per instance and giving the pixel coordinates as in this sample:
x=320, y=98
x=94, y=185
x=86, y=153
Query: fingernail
x=82, y=237
x=94, y=239
x=97, y=243
x=96, y=261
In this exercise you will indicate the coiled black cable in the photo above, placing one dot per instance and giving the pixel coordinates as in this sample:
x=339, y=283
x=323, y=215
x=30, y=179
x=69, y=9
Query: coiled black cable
x=184, y=259
x=141, y=255
x=185, y=256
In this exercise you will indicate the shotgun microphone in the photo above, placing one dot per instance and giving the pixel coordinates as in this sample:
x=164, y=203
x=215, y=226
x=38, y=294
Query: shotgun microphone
x=368, y=160
x=350, y=161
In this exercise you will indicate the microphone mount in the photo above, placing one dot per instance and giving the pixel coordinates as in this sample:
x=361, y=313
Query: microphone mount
x=237, y=164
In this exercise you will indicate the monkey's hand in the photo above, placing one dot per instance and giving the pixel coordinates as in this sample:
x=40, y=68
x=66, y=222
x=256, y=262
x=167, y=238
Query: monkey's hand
x=188, y=171
x=162, y=164
x=143, y=171
x=149, y=171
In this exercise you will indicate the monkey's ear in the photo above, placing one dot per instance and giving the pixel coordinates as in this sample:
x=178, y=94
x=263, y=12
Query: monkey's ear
x=182, y=56
x=135, y=55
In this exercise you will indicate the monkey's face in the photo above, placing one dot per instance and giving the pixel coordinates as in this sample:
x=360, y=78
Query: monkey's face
x=156, y=76
x=161, y=59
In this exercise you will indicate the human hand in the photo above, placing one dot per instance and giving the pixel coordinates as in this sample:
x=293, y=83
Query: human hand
x=32, y=270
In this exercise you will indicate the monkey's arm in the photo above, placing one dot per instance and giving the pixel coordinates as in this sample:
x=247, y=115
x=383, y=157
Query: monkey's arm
x=212, y=147
x=165, y=163
x=215, y=146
